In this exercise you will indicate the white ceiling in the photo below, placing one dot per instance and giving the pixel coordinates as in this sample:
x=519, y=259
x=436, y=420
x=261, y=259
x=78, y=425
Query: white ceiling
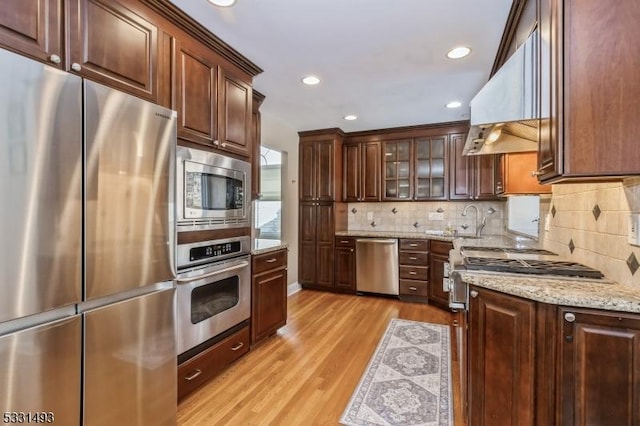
x=381, y=60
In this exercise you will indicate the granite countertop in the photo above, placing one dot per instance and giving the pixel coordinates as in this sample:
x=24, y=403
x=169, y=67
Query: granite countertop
x=458, y=240
x=391, y=234
x=261, y=245
x=565, y=291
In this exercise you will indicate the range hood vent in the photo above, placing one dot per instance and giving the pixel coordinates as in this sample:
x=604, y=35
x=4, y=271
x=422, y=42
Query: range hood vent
x=504, y=114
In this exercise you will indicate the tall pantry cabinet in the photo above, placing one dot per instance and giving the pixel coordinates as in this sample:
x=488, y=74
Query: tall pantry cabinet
x=320, y=216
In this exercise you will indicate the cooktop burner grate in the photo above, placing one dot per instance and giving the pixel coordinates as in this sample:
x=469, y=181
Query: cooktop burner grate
x=530, y=266
x=523, y=250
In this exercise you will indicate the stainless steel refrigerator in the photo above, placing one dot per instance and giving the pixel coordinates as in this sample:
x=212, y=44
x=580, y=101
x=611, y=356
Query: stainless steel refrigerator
x=87, y=310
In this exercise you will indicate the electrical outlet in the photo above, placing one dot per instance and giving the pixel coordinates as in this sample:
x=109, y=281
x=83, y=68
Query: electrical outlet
x=369, y=215
x=436, y=216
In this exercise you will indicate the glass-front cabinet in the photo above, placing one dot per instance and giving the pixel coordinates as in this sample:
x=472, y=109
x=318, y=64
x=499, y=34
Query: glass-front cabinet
x=397, y=170
x=414, y=169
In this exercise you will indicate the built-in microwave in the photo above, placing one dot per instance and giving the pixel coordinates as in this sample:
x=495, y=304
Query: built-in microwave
x=212, y=190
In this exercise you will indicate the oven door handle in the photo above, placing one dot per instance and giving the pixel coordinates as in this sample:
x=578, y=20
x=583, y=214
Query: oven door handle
x=240, y=265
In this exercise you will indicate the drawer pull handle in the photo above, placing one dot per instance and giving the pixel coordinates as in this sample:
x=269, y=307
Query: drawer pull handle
x=413, y=245
x=273, y=259
x=193, y=375
x=344, y=241
x=238, y=346
x=413, y=273
x=413, y=258
x=413, y=288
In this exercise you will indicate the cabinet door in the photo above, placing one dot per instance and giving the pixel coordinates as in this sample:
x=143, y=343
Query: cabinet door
x=599, y=368
x=307, y=244
x=370, y=172
x=485, y=174
x=33, y=28
x=196, y=92
x=325, y=236
x=501, y=359
x=500, y=174
x=234, y=115
x=269, y=303
x=437, y=295
x=397, y=184
x=430, y=165
x=307, y=172
x=461, y=169
x=345, y=268
x=351, y=172
x=114, y=45
x=255, y=143
x=325, y=170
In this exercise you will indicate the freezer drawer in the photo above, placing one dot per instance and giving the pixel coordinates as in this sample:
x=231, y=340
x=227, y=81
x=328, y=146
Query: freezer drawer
x=130, y=367
x=40, y=371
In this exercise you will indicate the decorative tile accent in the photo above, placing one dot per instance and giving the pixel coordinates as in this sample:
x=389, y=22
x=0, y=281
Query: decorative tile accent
x=632, y=263
x=572, y=246
x=553, y=211
x=596, y=212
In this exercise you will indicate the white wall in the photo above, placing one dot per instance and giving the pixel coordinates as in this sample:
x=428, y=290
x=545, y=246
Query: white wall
x=278, y=135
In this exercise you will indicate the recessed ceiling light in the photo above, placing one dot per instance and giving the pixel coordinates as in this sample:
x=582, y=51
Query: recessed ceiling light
x=223, y=3
x=458, y=52
x=350, y=117
x=311, y=80
x=454, y=104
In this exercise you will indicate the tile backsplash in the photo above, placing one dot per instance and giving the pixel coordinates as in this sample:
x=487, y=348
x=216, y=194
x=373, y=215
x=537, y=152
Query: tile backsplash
x=588, y=223
x=422, y=216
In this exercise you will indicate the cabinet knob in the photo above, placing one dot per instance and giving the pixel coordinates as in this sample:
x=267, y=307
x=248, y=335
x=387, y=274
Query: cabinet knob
x=76, y=66
x=474, y=294
x=55, y=59
x=223, y=144
x=569, y=317
x=351, y=250
x=216, y=142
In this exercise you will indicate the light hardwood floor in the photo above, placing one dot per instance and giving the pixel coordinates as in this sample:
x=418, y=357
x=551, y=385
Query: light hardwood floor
x=306, y=373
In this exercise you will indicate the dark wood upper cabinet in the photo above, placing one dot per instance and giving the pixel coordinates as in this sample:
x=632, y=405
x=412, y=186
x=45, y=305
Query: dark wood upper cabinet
x=430, y=167
x=515, y=174
x=112, y=44
x=397, y=170
x=235, y=115
x=471, y=177
x=33, y=28
x=599, y=368
x=361, y=171
x=196, y=85
x=319, y=153
x=589, y=93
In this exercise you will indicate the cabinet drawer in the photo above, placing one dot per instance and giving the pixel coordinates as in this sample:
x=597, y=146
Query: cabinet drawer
x=414, y=272
x=267, y=261
x=417, y=259
x=413, y=288
x=441, y=247
x=202, y=367
x=345, y=242
x=414, y=245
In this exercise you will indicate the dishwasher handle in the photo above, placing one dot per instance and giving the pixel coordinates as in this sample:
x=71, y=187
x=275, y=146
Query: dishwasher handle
x=377, y=241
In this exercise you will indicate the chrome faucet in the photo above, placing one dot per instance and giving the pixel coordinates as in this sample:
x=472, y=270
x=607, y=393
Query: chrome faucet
x=483, y=222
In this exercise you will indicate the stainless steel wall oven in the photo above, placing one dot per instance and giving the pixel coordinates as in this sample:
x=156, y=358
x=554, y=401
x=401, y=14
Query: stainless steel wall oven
x=213, y=289
x=213, y=190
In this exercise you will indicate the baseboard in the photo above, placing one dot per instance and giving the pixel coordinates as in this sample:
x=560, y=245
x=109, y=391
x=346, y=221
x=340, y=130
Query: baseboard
x=293, y=288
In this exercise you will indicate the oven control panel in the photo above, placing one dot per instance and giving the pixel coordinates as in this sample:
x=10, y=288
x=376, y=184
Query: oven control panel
x=214, y=251
x=204, y=252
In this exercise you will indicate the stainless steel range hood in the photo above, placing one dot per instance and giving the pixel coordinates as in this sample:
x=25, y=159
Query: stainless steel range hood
x=504, y=114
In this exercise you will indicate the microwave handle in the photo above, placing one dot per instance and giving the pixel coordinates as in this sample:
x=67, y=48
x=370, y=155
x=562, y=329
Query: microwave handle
x=242, y=264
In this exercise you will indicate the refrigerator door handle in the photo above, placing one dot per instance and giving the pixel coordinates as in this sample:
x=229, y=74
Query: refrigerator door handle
x=241, y=265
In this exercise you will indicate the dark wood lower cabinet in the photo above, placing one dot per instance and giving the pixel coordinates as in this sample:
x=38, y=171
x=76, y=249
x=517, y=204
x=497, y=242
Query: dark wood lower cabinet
x=501, y=359
x=599, y=368
x=268, y=294
x=438, y=262
x=345, y=264
x=201, y=368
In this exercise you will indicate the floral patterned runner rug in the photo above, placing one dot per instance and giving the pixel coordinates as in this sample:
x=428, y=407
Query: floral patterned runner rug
x=407, y=381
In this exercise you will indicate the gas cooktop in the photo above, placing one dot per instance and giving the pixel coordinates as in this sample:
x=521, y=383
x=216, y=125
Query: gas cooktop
x=531, y=266
x=524, y=250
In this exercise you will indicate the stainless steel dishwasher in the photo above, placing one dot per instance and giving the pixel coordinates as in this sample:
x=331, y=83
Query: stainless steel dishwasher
x=377, y=265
